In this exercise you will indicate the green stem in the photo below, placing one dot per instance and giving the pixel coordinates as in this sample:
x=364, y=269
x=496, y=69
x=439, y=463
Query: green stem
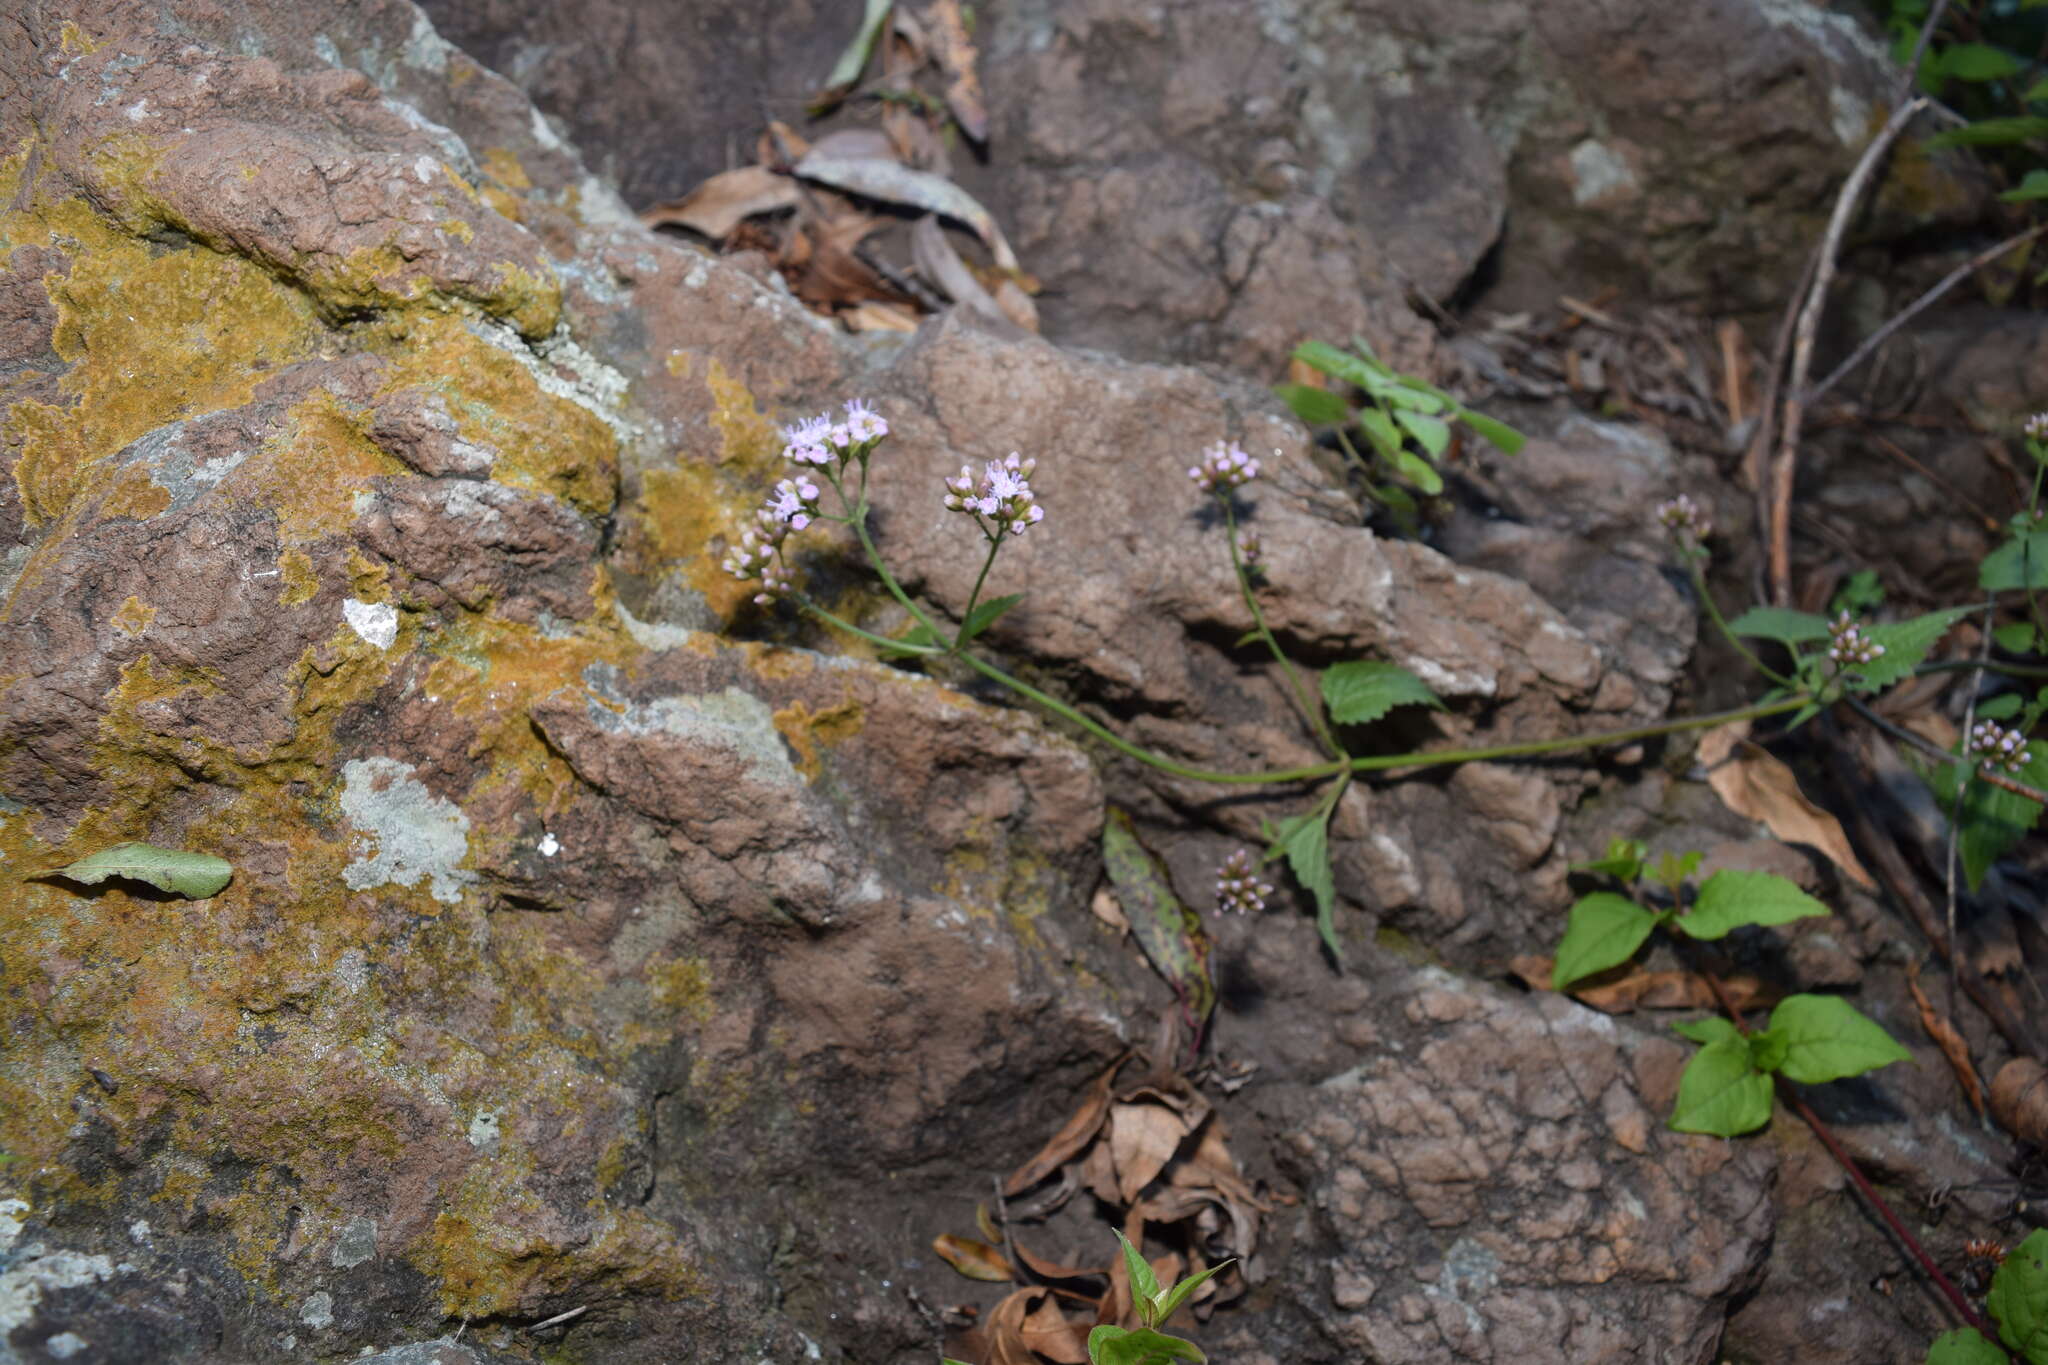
x=995, y=543
x=1311, y=710
x=1699, y=585
x=857, y=517
x=851, y=629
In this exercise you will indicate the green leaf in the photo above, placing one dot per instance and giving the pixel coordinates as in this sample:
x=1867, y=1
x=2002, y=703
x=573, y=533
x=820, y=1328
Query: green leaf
x=1965, y=1346
x=1672, y=871
x=984, y=615
x=1144, y=1284
x=1317, y=407
x=1121, y=1346
x=1992, y=132
x=2021, y=562
x=2035, y=184
x=1995, y=819
x=1355, y=370
x=1714, y=1029
x=1776, y=623
x=1732, y=898
x=1305, y=841
x=1419, y=472
x=1768, y=1050
x=1381, y=431
x=1360, y=691
x=1978, y=62
x=1499, y=435
x=1178, y=1295
x=2017, y=638
x=2019, y=1298
x=1604, y=930
x=2000, y=707
x=1413, y=398
x=1170, y=933
x=1432, y=433
x=193, y=875
x=1863, y=591
x=916, y=640
x=1905, y=644
x=1827, y=1038
x=1622, y=861
x=855, y=57
x=1721, y=1092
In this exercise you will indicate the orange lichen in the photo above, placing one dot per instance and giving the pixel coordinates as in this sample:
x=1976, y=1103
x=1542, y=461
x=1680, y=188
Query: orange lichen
x=807, y=731
x=134, y=616
x=295, y=571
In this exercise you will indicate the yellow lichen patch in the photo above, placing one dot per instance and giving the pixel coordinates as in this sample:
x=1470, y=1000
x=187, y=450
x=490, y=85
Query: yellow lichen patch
x=502, y=165
x=152, y=337
x=134, y=616
x=135, y=494
x=295, y=571
x=682, y=987
x=545, y=443
x=73, y=40
x=457, y=229
x=312, y=473
x=748, y=438
x=807, y=731
x=679, y=518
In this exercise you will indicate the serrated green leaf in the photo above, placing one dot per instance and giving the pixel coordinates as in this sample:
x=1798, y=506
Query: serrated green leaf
x=2017, y=638
x=1170, y=933
x=1992, y=132
x=1305, y=842
x=2000, y=707
x=2035, y=184
x=1499, y=435
x=1965, y=1346
x=1603, y=930
x=1419, y=472
x=1827, y=1038
x=985, y=614
x=1861, y=592
x=192, y=875
x=1713, y=1029
x=1905, y=644
x=1317, y=407
x=1721, y=1092
x=1144, y=1284
x=1733, y=897
x=1777, y=623
x=2021, y=562
x=1360, y=691
x=1338, y=364
x=1622, y=861
x=1178, y=1295
x=1994, y=819
x=2019, y=1298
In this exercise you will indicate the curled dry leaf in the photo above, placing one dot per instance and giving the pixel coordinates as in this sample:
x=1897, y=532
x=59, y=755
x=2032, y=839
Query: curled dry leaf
x=1045, y=1329
x=1631, y=986
x=1077, y=1132
x=1142, y=1139
x=956, y=57
x=975, y=1260
x=871, y=316
x=1755, y=785
x=1943, y=1032
x=724, y=201
x=938, y=262
x=2019, y=1099
x=1046, y=1269
x=894, y=183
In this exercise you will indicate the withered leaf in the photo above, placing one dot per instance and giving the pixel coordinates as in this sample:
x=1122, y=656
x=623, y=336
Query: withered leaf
x=1170, y=933
x=1756, y=785
x=872, y=316
x=1016, y=304
x=939, y=263
x=1142, y=1139
x=1046, y=1330
x=1077, y=1132
x=957, y=57
x=892, y=182
x=1631, y=986
x=975, y=1260
x=1098, y=1174
x=721, y=203
x=1951, y=1043
x=1053, y=1270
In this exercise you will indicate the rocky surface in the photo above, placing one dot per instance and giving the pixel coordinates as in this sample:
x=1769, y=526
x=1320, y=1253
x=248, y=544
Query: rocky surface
x=600, y=945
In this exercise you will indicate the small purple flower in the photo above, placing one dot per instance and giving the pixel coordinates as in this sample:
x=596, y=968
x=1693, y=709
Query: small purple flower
x=1681, y=514
x=2037, y=427
x=1224, y=467
x=1002, y=495
x=864, y=426
x=805, y=441
x=1238, y=888
x=1849, y=645
x=1993, y=743
x=795, y=502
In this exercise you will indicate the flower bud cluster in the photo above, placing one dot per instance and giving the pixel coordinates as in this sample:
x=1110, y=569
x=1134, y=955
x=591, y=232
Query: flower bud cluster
x=2036, y=427
x=1849, y=645
x=1238, y=888
x=1681, y=514
x=1224, y=466
x=821, y=441
x=1001, y=502
x=1993, y=743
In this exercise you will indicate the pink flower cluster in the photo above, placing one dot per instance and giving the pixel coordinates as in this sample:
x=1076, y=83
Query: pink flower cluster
x=1683, y=514
x=2037, y=427
x=1001, y=502
x=1994, y=743
x=1238, y=888
x=1849, y=645
x=1224, y=467
x=820, y=440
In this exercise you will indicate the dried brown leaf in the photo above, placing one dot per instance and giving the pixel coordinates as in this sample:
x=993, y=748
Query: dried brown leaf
x=842, y=143
x=1077, y=1132
x=2019, y=1099
x=1110, y=911
x=894, y=183
x=955, y=54
x=1142, y=1139
x=975, y=1260
x=915, y=141
x=1098, y=1174
x=1756, y=785
x=1005, y=1329
x=1017, y=305
x=939, y=263
x=1046, y=1269
x=1047, y=1331
x=724, y=201
x=871, y=316
x=985, y=1223
x=1943, y=1031
x=1631, y=986
x=781, y=145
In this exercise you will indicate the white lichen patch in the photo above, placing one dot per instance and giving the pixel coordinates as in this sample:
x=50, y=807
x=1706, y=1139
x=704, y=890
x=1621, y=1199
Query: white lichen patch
x=404, y=833
x=13, y=1217
x=483, y=1129
x=65, y=1345
x=549, y=845
x=318, y=1310
x=39, y=1272
x=592, y=385
x=1599, y=171
x=357, y=1243
x=375, y=622
x=1469, y=1274
x=736, y=721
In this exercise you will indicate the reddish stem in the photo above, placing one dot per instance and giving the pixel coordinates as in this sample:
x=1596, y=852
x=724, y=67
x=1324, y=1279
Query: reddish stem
x=1863, y=1186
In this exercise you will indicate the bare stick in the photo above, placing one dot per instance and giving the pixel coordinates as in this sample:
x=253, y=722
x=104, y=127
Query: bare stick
x=1920, y=48
x=1920, y=305
x=560, y=1318
x=1802, y=347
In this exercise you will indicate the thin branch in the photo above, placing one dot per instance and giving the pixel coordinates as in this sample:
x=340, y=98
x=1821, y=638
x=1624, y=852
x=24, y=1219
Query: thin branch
x=1920, y=48
x=1921, y=304
x=1802, y=347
